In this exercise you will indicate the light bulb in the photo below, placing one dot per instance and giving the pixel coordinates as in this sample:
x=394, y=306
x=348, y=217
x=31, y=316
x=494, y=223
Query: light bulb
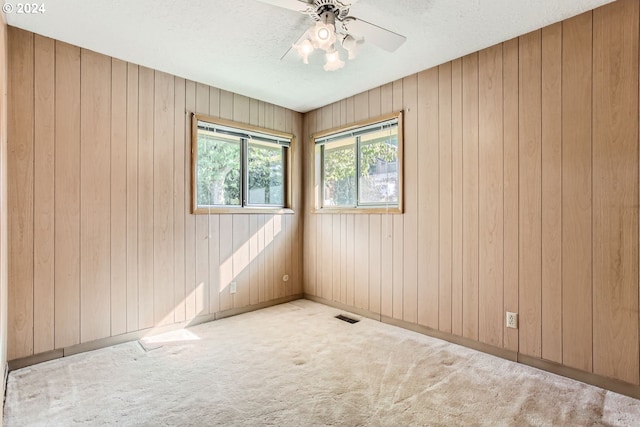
x=323, y=36
x=323, y=33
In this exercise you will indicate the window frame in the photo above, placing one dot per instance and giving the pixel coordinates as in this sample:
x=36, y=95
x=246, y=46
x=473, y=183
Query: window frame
x=244, y=207
x=318, y=170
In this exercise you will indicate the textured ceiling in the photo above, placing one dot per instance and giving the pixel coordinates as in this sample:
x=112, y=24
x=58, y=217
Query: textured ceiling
x=237, y=45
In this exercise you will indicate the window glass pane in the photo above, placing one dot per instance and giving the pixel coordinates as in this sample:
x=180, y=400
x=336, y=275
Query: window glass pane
x=266, y=174
x=218, y=169
x=340, y=173
x=378, y=181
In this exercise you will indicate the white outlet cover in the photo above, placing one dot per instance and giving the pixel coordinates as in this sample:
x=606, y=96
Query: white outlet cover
x=511, y=320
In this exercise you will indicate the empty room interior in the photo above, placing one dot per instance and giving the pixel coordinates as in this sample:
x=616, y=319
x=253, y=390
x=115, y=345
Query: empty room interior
x=320, y=212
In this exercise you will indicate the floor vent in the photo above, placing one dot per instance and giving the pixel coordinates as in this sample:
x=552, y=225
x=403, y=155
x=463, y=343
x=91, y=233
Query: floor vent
x=346, y=319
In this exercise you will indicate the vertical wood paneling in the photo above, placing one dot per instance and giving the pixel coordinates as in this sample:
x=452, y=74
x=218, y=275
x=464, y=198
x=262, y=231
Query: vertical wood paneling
x=241, y=259
x=386, y=242
x=270, y=229
x=361, y=260
x=132, y=197
x=279, y=119
x=374, y=263
x=163, y=249
x=511, y=183
x=325, y=257
x=180, y=208
x=615, y=191
x=552, y=193
x=398, y=226
x=4, y=253
x=530, y=194
x=118, y=211
x=490, y=188
x=350, y=232
x=309, y=241
x=470, y=196
x=361, y=225
x=100, y=174
x=145, y=197
x=375, y=226
x=214, y=102
x=213, y=230
x=44, y=195
x=190, y=219
x=254, y=284
x=255, y=270
x=241, y=114
x=337, y=259
x=350, y=246
x=203, y=222
x=95, y=171
x=445, y=201
x=226, y=261
x=20, y=193
x=67, y=194
x=269, y=255
x=427, y=197
x=343, y=257
x=297, y=220
x=213, y=240
x=577, y=327
x=410, y=255
x=456, y=185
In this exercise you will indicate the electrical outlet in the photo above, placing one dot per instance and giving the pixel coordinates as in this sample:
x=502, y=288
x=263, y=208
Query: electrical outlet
x=233, y=287
x=512, y=320
x=285, y=278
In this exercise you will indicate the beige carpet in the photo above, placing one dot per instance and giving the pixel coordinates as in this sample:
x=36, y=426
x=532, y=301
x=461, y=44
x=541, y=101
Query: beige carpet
x=296, y=365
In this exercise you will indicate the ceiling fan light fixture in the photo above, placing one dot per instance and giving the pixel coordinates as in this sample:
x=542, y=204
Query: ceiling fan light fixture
x=323, y=36
x=352, y=45
x=333, y=61
x=304, y=49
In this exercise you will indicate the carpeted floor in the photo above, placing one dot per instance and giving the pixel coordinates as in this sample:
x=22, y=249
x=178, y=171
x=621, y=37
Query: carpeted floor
x=296, y=365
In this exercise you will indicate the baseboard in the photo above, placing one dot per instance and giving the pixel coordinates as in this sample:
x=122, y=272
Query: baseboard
x=339, y=305
x=454, y=339
x=606, y=383
x=134, y=336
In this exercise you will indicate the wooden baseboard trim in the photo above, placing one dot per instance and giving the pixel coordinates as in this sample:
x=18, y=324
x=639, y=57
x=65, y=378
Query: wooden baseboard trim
x=134, y=336
x=582, y=376
x=606, y=383
x=360, y=312
x=260, y=306
x=36, y=358
x=454, y=339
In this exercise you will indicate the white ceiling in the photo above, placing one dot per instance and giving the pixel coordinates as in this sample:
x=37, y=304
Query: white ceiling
x=236, y=45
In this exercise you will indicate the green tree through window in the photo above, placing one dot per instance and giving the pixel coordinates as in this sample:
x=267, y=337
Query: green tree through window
x=238, y=168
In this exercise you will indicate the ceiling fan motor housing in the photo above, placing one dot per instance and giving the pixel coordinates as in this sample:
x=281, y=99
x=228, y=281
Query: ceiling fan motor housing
x=321, y=9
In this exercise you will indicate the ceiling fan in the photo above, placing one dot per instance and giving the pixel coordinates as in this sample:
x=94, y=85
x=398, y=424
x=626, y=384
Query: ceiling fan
x=334, y=28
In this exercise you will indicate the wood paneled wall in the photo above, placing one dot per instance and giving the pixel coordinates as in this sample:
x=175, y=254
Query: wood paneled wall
x=101, y=236
x=521, y=189
x=3, y=197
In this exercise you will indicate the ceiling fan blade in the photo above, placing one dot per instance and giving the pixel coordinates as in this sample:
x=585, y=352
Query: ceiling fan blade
x=289, y=53
x=385, y=39
x=296, y=5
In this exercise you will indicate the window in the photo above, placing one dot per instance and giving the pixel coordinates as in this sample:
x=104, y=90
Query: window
x=239, y=167
x=359, y=168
